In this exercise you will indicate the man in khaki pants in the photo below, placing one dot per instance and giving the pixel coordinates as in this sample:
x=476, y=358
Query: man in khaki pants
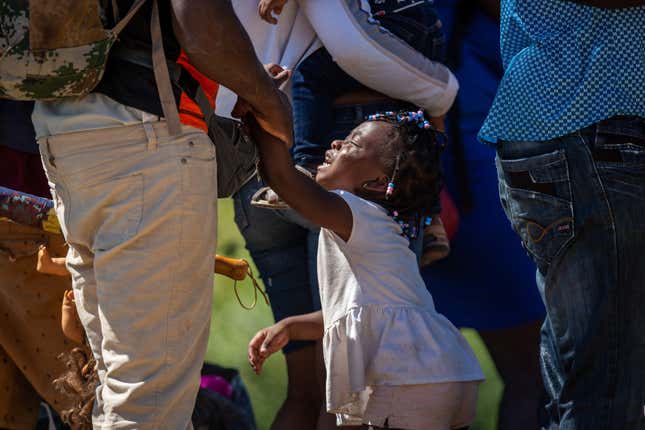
x=136, y=197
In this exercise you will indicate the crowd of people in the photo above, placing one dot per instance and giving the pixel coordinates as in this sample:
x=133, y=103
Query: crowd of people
x=371, y=144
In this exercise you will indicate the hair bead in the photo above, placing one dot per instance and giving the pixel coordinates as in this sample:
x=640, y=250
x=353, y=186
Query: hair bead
x=390, y=189
x=421, y=140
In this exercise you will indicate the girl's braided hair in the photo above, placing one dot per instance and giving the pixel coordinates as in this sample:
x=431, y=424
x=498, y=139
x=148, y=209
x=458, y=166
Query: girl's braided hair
x=413, y=156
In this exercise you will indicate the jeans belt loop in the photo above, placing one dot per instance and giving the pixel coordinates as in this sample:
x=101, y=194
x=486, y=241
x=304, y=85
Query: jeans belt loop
x=151, y=136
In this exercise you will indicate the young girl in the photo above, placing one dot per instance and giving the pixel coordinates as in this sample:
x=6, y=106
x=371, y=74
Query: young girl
x=392, y=361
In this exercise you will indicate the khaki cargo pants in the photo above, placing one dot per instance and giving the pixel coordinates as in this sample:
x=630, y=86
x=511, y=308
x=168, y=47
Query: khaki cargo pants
x=138, y=209
x=30, y=333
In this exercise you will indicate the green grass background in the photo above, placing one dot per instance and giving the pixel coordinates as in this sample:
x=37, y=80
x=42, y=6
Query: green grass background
x=232, y=327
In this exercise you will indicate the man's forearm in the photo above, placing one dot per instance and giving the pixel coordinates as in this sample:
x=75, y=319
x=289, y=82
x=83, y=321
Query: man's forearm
x=219, y=47
x=610, y=4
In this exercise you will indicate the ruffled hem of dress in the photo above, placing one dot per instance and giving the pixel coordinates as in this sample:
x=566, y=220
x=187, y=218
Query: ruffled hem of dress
x=371, y=345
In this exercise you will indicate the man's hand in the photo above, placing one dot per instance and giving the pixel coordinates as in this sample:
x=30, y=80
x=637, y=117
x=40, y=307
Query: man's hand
x=273, y=121
x=208, y=29
x=266, y=342
x=266, y=7
x=277, y=120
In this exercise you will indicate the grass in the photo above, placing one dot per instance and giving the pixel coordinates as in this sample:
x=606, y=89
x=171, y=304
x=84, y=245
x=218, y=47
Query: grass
x=232, y=327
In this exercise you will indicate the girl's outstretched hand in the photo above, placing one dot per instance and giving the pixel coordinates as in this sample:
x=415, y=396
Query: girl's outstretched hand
x=265, y=7
x=266, y=342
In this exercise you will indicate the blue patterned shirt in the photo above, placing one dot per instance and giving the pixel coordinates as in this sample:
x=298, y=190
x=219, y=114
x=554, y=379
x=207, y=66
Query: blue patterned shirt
x=566, y=66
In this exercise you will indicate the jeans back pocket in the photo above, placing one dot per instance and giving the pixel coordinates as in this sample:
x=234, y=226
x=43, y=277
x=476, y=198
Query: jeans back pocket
x=535, y=193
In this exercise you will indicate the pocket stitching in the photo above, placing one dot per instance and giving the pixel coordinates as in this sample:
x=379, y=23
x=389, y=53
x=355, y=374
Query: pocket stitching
x=545, y=198
x=139, y=217
x=511, y=164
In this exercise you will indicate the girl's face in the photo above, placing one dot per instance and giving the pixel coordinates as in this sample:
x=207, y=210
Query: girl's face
x=355, y=163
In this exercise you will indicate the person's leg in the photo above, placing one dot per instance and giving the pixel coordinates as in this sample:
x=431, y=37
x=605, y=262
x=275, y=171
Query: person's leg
x=143, y=204
x=300, y=408
x=577, y=204
x=80, y=263
x=619, y=151
x=515, y=351
x=278, y=247
x=316, y=82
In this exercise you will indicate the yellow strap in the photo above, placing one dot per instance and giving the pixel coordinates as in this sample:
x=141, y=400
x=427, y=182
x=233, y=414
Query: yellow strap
x=256, y=288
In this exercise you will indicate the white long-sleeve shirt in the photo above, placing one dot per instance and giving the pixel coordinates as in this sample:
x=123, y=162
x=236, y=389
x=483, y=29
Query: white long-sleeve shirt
x=368, y=53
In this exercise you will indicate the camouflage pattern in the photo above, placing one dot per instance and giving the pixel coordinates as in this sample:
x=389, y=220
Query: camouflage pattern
x=45, y=74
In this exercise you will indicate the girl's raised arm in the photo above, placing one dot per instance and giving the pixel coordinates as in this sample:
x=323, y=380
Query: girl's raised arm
x=301, y=193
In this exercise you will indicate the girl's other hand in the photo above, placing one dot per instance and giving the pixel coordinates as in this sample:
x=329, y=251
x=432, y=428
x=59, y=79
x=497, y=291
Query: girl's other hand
x=266, y=342
x=265, y=7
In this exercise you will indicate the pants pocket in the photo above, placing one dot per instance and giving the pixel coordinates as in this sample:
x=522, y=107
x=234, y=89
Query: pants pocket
x=120, y=212
x=535, y=193
x=198, y=164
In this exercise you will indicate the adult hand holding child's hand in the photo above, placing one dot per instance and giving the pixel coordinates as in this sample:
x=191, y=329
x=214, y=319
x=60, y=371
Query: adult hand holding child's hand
x=276, y=119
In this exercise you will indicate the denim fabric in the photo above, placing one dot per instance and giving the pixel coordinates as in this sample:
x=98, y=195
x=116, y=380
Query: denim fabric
x=419, y=27
x=577, y=202
x=318, y=80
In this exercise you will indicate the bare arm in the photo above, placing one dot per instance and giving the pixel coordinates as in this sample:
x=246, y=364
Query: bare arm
x=301, y=193
x=219, y=47
x=271, y=339
x=305, y=327
x=610, y=4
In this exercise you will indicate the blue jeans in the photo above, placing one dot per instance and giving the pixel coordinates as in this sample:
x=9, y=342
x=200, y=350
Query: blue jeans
x=578, y=204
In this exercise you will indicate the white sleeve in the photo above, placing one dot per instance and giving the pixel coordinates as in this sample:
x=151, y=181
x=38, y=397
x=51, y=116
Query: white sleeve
x=370, y=222
x=287, y=43
x=377, y=58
